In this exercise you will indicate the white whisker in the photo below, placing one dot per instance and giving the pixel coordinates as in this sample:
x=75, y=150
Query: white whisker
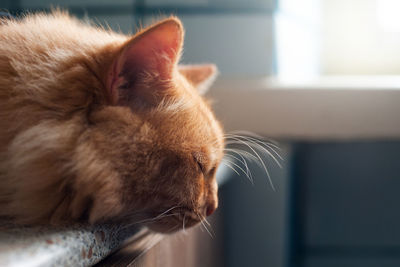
x=240, y=168
x=152, y=219
x=204, y=225
x=259, y=158
x=174, y=207
x=206, y=221
x=241, y=160
x=226, y=163
x=269, y=145
x=242, y=152
x=266, y=144
x=257, y=145
x=183, y=224
x=253, y=135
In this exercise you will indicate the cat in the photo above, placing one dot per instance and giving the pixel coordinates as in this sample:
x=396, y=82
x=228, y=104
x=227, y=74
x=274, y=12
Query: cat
x=97, y=125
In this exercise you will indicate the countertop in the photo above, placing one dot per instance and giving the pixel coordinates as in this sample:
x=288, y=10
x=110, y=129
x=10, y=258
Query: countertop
x=77, y=245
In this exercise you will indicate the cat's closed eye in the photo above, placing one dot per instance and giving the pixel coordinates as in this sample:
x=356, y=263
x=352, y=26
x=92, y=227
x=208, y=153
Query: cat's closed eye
x=199, y=159
x=201, y=167
x=204, y=170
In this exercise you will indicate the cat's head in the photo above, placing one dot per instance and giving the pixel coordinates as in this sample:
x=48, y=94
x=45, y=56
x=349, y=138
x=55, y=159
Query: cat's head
x=158, y=137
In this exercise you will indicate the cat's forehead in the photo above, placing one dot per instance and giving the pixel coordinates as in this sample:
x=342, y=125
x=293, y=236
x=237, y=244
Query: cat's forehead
x=192, y=119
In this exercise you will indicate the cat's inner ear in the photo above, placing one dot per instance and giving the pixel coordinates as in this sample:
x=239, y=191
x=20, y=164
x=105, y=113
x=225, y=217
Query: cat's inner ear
x=200, y=76
x=152, y=54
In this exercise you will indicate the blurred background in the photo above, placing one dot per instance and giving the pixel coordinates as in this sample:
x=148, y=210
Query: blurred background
x=319, y=77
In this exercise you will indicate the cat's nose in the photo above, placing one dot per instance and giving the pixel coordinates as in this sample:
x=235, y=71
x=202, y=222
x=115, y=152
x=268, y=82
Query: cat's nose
x=211, y=207
x=211, y=201
x=210, y=210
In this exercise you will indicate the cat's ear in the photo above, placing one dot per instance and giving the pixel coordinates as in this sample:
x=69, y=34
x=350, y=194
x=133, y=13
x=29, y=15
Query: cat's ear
x=201, y=76
x=152, y=53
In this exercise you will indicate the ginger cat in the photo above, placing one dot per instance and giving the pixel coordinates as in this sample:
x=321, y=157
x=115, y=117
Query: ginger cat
x=97, y=126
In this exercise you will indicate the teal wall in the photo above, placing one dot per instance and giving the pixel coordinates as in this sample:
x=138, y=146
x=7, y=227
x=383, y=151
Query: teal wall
x=335, y=204
x=346, y=204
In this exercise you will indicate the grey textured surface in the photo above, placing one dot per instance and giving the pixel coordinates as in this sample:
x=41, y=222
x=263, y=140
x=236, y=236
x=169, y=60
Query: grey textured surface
x=77, y=245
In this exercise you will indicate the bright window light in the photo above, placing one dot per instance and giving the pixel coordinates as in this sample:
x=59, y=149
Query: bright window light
x=297, y=36
x=388, y=15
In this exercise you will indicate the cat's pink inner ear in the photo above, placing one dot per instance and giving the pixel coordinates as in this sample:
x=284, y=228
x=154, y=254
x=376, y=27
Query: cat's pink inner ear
x=152, y=53
x=201, y=76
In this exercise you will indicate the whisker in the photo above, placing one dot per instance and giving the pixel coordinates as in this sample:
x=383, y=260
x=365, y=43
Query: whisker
x=260, y=148
x=259, y=158
x=158, y=217
x=208, y=231
x=266, y=144
x=205, y=226
x=241, y=155
x=174, y=207
x=259, y=139
x=183, y=223
x=257, y=145
x=242, y=152
x=269, y=144
x=241, y=160
x=253, y=135
x=226, y=163
x=151, y=219
x=206, y=221
x=252, y=157
x=240, y=168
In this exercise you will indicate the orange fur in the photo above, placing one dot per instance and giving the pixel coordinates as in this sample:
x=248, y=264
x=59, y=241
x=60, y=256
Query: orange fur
x=80, y=139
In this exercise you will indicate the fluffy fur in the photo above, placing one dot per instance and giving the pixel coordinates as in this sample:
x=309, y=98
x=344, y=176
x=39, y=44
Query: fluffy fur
x=96, y=125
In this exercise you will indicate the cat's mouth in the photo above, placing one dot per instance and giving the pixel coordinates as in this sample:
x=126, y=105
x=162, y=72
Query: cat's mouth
x=174, y=220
